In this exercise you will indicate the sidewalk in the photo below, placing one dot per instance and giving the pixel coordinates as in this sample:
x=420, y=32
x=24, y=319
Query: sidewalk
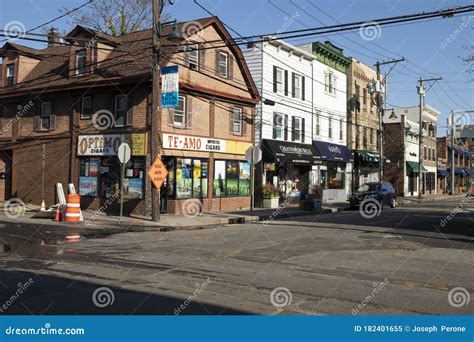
x=427, y=199
x=168, y=222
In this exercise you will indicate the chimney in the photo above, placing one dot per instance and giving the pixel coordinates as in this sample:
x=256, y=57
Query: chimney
x=53, y=37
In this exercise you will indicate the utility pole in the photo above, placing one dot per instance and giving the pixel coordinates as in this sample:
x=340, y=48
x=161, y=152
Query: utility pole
x=156, y=101
x=421, y=92
x=453, y=164
x=380, y=108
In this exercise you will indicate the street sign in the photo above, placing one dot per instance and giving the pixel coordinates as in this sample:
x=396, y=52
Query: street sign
x=158, y=172
x=124, y=153
x=253, y=154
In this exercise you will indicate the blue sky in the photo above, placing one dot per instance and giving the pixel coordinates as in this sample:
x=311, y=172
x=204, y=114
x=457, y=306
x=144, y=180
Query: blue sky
x=424, y=44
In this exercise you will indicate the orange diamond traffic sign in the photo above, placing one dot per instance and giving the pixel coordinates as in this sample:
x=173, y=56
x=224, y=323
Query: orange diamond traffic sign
x=158, y=172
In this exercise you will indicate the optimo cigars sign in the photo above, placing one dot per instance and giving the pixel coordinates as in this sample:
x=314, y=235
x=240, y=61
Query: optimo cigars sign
x=108, y=144
x=193, y=143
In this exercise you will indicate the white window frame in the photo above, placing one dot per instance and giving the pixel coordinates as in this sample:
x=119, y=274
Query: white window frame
x=278, y=125
x=298, y=87
x=10, y=70
x=330, y=83
x=44, y=116
x=193, y=57
x=180, y=112
x=298, y=128
x=237, y=121
x=318, y=122
x=224, y=64
x=117, y=97
x=330, y=128
x=81, y=55
x=86, y=116
x=280, y=75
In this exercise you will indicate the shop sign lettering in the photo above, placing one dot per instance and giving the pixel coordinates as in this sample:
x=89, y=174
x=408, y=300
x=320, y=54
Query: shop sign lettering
x=191, y=143
x=108, y=144
x=334, y=149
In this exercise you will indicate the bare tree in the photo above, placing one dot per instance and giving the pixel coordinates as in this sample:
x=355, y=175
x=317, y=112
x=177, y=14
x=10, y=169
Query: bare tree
x=114, y=17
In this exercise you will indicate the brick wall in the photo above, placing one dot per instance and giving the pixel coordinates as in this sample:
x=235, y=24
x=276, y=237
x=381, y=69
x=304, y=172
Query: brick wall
x=394, y=150
x=215, y=204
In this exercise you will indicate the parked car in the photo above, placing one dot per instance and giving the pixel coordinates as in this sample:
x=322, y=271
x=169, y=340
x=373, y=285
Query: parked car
x=383, y=192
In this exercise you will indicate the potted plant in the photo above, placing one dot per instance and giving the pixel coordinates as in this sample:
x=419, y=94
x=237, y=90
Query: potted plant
x=313, y=200
x=271, y=196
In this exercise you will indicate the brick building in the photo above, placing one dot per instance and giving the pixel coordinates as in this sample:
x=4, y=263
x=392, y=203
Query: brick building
x=363, y=120
x=65, y=110
x=462, y=165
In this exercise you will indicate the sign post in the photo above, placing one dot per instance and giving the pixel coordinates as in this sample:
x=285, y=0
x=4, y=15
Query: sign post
x=253, y=155
x=124, y=153
x=158, y=173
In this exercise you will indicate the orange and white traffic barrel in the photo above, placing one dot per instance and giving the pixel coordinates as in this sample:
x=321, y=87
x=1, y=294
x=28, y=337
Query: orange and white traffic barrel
x=73, y=208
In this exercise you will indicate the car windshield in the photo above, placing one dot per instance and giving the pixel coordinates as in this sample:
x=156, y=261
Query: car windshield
x=369, y=187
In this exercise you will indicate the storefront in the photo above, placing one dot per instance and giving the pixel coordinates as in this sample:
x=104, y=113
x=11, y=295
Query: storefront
x=100, y=169
x=335, y=173
x=429, y=180
x=366, y=167
x=443, y=180
x=289, y=167
x=205, y=173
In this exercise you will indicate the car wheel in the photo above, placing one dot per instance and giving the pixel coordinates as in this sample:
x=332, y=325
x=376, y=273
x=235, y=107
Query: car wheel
x=393, y=202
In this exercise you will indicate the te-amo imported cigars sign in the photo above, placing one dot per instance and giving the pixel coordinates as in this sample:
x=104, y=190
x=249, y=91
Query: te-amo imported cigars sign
x=193, y=143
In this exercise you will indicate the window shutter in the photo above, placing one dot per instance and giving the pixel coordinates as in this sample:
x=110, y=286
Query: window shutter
x=293, y=128
x=231, y=61
x=326, y=84
x=286, y=82
x=202, y=56
x=303, y=88
x=186, y=59
x=36, y=123
x=129, y=118
x=286, y=127
x=302, y=130
x=293, y=76
x=231, y=120
x=52, y=122
x=1, y=126
x=217, y=62
x=274, y=126
x=275, y=87
x=189, y=112
x=244, y=124
x=171, y=117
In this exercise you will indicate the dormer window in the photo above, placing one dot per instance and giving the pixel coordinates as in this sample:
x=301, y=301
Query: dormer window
x=81, y=62
x=10, y=73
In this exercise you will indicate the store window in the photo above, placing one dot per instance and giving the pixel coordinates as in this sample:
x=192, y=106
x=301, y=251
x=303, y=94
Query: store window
x=187, y=178
x=100, y=177
x=231, y=178
x=86, y=107
x=335, y=175
x=122, y=105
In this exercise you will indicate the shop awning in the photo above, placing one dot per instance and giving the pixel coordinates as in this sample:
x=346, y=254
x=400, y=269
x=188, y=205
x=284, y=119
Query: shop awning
x=460, y=171
x=335, y=152
x=369, y=156
x=443, y=172
x=468, y=172
x=288, y=152
x=415, y=167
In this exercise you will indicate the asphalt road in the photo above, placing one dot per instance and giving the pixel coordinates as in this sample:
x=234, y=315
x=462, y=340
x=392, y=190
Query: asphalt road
x=400, y=262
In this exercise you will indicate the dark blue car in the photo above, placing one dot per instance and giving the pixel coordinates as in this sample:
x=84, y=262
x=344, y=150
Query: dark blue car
x=383, y=192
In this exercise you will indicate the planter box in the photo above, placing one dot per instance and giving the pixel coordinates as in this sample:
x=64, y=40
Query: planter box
x=271, y=203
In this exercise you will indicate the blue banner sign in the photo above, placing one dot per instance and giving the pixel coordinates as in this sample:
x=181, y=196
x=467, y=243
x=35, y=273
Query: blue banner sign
x=170, y=87
x=237, y=328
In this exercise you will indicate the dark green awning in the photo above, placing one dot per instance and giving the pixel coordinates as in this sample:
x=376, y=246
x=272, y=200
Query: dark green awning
x=415, y=167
